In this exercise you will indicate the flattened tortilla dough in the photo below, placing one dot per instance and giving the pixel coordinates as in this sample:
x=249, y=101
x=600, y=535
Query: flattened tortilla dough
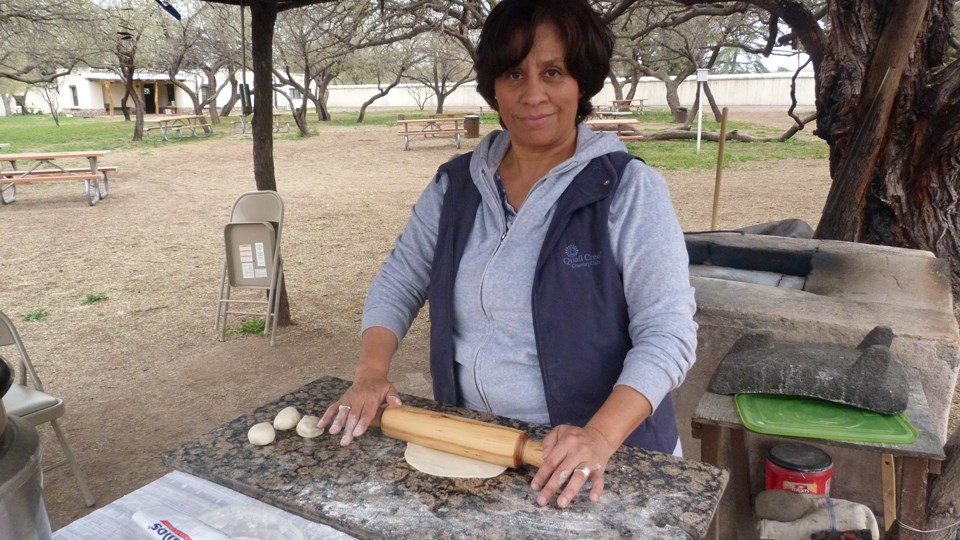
x=437, y=463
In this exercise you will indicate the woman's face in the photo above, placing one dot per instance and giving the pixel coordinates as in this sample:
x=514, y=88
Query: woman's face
x=538, y=98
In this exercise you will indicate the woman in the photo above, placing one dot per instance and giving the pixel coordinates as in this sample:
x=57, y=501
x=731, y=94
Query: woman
x=553, y=261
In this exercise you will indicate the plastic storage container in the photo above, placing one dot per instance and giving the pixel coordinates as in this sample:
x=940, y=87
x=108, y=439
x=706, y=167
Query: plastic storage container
x=799, y=468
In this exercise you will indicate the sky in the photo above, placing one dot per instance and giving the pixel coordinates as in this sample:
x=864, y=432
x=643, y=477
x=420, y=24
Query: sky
x=776, y=61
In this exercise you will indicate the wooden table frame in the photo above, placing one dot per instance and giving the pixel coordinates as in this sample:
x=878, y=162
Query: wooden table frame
x=624, y=127
x=635, y=104
x=431, y=127
x=184, y=125
x=45, y=170
x=717, y=414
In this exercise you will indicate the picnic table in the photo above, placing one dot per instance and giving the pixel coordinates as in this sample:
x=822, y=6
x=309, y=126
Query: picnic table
x=246, y=122
x=431, y=127
x=49, y=167
x=600, y=114
x=624, y=127
x=635, y=104
x=177, y=127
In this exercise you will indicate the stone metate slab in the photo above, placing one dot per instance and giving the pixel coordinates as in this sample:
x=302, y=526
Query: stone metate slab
x=367, y=489
x=867, y=376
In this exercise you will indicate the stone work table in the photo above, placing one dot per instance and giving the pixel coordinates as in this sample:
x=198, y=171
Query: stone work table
x=369, y=491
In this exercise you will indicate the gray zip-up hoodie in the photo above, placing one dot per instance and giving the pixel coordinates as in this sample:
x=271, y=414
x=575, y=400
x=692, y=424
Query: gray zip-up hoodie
x=496, y=355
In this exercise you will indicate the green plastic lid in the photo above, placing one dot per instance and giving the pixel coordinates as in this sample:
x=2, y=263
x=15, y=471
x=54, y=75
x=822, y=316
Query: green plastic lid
x=796, y=416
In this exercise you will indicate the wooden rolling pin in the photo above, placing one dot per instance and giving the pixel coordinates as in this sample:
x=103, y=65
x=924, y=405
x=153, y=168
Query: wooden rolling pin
x=477, y=440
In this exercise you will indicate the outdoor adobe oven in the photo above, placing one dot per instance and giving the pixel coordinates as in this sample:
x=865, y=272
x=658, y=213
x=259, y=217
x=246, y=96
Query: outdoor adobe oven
x=821, y=291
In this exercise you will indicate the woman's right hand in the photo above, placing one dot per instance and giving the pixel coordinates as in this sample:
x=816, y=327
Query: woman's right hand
x=353, y=412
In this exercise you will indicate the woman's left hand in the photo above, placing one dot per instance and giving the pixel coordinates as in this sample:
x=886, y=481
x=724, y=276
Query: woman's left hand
x=571, y=456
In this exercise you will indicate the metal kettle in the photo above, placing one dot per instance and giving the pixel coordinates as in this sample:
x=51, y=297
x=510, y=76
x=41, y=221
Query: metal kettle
x=23, y=514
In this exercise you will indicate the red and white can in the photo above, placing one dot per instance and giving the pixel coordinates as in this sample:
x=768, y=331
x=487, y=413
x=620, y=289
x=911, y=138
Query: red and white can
x=799, y=468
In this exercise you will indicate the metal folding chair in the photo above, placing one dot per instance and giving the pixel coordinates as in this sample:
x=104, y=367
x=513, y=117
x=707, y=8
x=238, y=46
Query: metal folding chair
x=252, y=260
x=33, y=404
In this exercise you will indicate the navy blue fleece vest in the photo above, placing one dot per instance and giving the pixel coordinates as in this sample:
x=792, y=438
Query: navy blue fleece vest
x=579, y=310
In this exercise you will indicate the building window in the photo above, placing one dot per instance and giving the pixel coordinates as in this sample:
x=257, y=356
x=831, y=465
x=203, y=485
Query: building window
x=295, y=93
x=204, y=93
x=171, y=94
x=76, y=98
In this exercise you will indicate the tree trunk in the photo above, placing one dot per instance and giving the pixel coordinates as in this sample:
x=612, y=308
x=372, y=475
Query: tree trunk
x=717, y=114
x=123, y=104
x=323, y=81
x=617, y=86
x=234, y=96
x=263, y=16
x=890, y=120
x=128, y=74
x=943, y=507
x=673, y=97
x=378, y=95
x=212, y=91
x=21, y=100
x=440, y=99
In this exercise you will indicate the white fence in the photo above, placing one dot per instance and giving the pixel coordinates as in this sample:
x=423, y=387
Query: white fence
x=729, y=90
x=80, y=92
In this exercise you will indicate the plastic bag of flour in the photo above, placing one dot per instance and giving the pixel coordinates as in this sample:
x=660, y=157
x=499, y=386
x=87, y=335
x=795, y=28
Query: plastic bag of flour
x=161, y=523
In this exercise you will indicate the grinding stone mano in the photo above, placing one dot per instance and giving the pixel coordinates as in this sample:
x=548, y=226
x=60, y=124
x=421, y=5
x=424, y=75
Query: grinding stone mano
x=868, y=376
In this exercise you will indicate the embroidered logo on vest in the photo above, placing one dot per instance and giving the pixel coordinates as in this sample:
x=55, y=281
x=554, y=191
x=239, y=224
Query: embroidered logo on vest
x=574, y=259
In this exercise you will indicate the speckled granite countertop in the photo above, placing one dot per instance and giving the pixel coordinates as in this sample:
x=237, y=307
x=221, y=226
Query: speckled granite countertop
x=369, y=491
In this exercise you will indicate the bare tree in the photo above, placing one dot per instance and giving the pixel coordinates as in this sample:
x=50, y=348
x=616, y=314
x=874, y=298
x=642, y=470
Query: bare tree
x=314, y=45
x=50, y=94
x=40, y=39
x=444, y=68
x=387, y=66
x=191, y=44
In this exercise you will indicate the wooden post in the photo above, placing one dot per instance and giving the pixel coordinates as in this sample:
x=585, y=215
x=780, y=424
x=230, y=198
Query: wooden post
x=888, y=476
x=716, y=185
x=913, y=497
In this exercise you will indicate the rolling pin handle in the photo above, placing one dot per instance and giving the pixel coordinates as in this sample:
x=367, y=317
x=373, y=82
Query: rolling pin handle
x=532, y=453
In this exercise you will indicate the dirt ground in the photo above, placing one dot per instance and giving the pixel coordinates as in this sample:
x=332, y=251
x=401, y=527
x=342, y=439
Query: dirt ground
x=143, y=371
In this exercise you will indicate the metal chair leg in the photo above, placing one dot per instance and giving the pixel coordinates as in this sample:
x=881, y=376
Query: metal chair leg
x=276, y=303
x=74, y=465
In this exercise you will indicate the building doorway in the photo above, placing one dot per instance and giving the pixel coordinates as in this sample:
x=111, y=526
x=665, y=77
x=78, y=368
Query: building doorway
x=149, y=100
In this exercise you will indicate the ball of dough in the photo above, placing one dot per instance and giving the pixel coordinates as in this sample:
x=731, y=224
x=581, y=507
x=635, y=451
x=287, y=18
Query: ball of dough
x=261, y=434
x=286, y=419
x=307, y=427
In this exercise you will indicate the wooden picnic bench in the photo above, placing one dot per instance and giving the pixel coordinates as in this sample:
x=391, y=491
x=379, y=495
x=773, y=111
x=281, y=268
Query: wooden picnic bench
x=246, y=122
x=184, y=125
x=45, y=169
x=624, y=127
x=431, y=127
x=626, y=105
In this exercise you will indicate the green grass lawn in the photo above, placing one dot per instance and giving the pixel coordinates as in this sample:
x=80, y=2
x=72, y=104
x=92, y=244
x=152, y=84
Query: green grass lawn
x=673, y=155
x=38, y=133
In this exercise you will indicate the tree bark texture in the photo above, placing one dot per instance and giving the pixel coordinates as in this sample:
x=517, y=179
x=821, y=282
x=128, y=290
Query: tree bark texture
x=888, y=99
x=234, y=95
x=943, y=507
x=263, y=16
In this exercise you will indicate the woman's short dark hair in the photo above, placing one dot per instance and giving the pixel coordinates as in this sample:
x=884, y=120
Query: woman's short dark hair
x=587, y=40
